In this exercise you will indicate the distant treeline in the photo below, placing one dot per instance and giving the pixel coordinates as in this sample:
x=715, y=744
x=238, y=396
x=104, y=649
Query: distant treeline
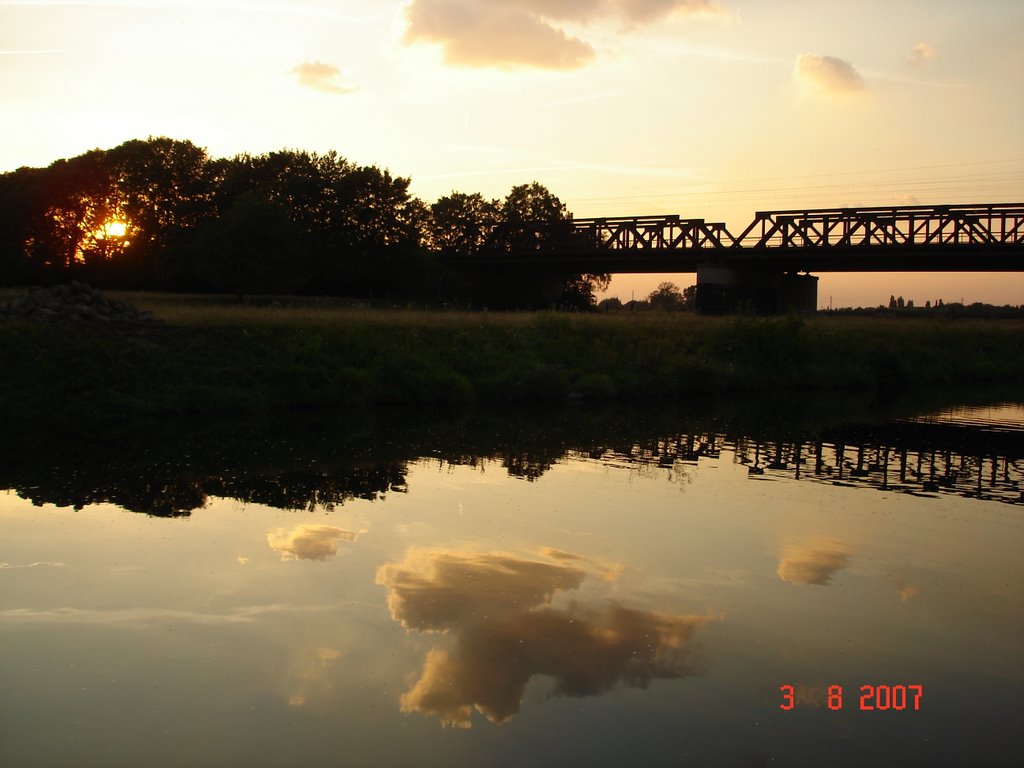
x=951, y=310
x=161, y=214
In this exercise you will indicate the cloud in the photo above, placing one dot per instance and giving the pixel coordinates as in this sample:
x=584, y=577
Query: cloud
x=320, y=77
x=310, y=675
x=147, y=617
x=827, y=73
x=813, y=564
x=432, y=591
x=921, y=53
x=481, y=34
x=524, y=33
x=501, y=630
x=308, y=542
x=908, y=593
x=647, y=11
x=42, y=564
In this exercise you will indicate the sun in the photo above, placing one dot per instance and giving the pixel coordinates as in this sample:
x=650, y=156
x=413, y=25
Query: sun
x=112, y=229
x=106, y=241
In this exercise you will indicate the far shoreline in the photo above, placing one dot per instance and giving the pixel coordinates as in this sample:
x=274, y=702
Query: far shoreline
x=213, y=356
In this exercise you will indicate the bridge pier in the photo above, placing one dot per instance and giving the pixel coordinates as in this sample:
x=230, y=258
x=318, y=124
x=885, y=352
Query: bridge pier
x=723, y=290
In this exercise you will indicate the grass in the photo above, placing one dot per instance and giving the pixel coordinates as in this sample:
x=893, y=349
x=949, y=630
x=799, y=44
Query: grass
x=216, y=355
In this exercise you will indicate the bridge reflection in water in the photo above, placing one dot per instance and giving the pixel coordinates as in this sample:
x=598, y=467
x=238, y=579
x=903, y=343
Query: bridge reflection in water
x=928, y=456
x=767, y=266
x=968, y=454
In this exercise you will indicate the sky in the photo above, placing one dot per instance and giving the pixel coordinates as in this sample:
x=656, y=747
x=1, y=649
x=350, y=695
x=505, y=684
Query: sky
x=709, y=109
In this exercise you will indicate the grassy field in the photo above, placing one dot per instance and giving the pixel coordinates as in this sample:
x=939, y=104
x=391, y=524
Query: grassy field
x=216, y=355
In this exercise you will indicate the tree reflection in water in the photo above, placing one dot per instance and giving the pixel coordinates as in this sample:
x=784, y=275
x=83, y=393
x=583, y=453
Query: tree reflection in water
x=171, y=470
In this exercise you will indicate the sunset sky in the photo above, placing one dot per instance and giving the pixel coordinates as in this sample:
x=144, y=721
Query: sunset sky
x=705, y=108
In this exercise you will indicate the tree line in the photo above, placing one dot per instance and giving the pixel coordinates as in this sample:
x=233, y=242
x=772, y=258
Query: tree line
x=161, y=214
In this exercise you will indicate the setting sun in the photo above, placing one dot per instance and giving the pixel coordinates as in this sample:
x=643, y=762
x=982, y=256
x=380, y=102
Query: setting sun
x=112, y=229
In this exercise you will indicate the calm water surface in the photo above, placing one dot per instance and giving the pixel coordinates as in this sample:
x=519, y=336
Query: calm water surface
x=714, y=597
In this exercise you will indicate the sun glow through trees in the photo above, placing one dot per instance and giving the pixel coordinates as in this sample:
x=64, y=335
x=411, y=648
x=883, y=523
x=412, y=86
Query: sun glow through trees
x=112, y=229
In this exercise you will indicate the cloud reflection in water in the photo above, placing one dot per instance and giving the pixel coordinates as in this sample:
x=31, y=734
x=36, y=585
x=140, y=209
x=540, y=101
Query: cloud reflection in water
x=502, y=630
x=308, y=542
x=814, y=563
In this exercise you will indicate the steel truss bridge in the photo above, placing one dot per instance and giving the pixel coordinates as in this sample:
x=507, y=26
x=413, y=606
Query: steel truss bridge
x=920, y=238
x=934, y=456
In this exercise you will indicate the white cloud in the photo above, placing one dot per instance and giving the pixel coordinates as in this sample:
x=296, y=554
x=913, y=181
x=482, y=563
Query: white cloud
x=921, y=53
x=647, y=11
x=308, y=542
x=321, y=77
x=500, y=627
x=481, y=34
x=814, y=563
x=525, y=33
x=34, y=565
x=827, y=73
x=146, y=617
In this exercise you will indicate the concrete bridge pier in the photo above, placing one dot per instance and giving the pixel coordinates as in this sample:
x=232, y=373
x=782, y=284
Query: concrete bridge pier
x=723, y=290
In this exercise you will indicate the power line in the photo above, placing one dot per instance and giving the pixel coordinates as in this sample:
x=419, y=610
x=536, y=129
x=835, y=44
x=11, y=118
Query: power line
x=751, y=188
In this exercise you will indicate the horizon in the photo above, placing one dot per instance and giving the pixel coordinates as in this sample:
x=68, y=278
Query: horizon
x=704, y=109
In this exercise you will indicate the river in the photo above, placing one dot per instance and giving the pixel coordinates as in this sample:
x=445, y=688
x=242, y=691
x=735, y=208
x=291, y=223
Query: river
x=708, y=587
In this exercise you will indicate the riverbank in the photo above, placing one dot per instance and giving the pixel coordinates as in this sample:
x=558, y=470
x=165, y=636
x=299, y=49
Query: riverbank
x=211, y=356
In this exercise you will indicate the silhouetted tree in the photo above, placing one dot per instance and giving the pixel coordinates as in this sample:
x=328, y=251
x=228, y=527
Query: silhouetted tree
x=376, y=234
x=165, y=188
x=76, y=198
x=666, y=296
x=580, y=291
x=322, y=223
x=20, y=208
x=532, y=218
x=252, y=248
x=462, y=225
x=360, y=225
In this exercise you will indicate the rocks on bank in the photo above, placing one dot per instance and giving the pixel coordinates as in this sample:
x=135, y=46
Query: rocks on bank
x=76, y=302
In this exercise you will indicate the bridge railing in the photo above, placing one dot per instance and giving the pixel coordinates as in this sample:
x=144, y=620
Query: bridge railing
x=652, y=232
x=837, y=229
x=886, y=226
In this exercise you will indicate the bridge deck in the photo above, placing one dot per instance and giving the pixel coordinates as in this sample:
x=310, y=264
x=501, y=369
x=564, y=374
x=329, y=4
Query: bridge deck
x=968, y=238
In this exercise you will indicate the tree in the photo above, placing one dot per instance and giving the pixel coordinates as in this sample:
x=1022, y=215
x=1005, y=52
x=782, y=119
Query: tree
x=462, y=225
x=690, y=296
x=74, y=200
x=20, y=213
x=374, y=233
x=165, y=189
x=580, y=291
x=361, y=227
x=532, y=218
x=252, y=248
x=666, y=296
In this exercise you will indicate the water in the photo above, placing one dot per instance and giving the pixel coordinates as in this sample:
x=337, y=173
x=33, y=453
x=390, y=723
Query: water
x=571, y=590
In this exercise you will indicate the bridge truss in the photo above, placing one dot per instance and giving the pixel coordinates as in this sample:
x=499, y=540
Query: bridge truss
x=922, y=225
x=964, y=238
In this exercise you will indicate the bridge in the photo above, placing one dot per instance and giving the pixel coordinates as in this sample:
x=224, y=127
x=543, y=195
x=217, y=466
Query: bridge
x=768, y=265
x=931, y=455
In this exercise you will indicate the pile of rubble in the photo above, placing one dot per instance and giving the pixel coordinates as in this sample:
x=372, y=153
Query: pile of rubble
x=72, y=303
